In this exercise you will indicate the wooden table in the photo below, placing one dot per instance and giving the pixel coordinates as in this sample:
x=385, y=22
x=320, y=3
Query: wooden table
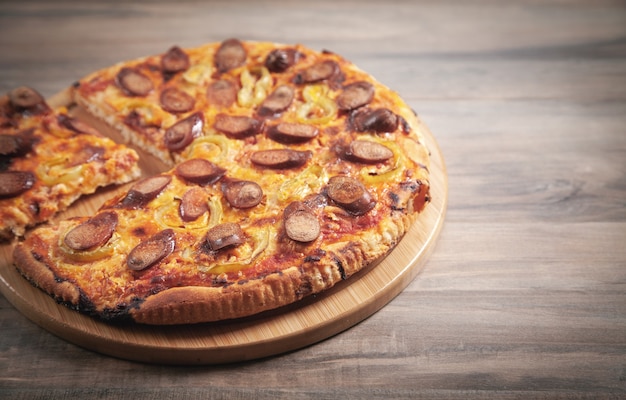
x=525, y=293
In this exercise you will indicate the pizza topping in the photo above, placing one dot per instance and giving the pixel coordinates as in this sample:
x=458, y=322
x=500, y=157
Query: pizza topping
x=279, y=60
x=199, y=170
x=152, y=250
x=193, y=204
x=280, y=158
x=145, y=190
x=286, y=132
x=350, y=194
x=14, y=145
x=279, y=100
x=87, y=154
x=14, y=183
x=243, y=194
x=377, y=120
x=368, y=152
x=318, y=107
x=255, y=84
x=222, y=93
x=25, y=98
x=355, y=95
x=133, y=82
x=318, y=72
x=93, y=233
x=224, y=235
x=179, y=135
x=176, y=101
x=175, y=60
x=76, y=125
x=231, y=54
x=9, y=145
x=237, y=126
x=301, y=224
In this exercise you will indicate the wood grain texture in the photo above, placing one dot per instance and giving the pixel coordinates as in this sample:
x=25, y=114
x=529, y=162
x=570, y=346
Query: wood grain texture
x=525, y=294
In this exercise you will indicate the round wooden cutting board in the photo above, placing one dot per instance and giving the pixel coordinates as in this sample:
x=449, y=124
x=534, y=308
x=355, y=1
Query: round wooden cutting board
x=313, y=319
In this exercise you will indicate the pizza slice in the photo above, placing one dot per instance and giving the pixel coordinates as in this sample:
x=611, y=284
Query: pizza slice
x=49, y=159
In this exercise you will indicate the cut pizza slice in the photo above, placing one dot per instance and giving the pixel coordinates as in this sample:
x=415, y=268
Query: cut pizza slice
x=49, y=159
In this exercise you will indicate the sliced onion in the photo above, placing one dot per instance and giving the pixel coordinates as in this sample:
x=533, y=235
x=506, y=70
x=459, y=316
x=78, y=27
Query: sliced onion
x=215, y=148
x=215, y=210
x=54, y=172
x=254, y=90
x=318, y=108
x=371, y=175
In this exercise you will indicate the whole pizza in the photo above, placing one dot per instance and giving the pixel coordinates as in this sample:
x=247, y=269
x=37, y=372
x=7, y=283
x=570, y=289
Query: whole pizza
x=289, y=170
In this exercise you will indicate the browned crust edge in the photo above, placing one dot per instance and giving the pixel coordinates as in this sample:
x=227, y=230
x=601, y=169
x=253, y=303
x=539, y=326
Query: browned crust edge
x=41, y=276
x=196, y=304
x=189, y=304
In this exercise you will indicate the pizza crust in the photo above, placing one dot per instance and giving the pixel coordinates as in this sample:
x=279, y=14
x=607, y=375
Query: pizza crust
x=192, y=304
x=32, y=268
x=195, y=304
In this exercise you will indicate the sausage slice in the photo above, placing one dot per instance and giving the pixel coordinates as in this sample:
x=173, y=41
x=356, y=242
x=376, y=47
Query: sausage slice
x=145, y=190
x=92, y=233
x=224, y=235
x=199, y=170
x=242, y=194
x=301, y=224
x=279, y=60
x=179, y=135
x=350, y=194
x=286, y=132
x=237, y=126
x=355, y=95
x=176, y=101
x=134, y=82
x=193, y=204
x=318, y=72
x=222, y=93
x=231, y=54
x=14, y=145
x=367, y=152
x=76, y=125
x=151, y=251
x=175, y=60
x=24, y=98
x=14, y=183
x=377, y=120
x=278, y=101
x=280, y=158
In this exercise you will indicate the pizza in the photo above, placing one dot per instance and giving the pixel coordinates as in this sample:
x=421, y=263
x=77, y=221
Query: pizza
x=288, y=170
x=48, y=160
